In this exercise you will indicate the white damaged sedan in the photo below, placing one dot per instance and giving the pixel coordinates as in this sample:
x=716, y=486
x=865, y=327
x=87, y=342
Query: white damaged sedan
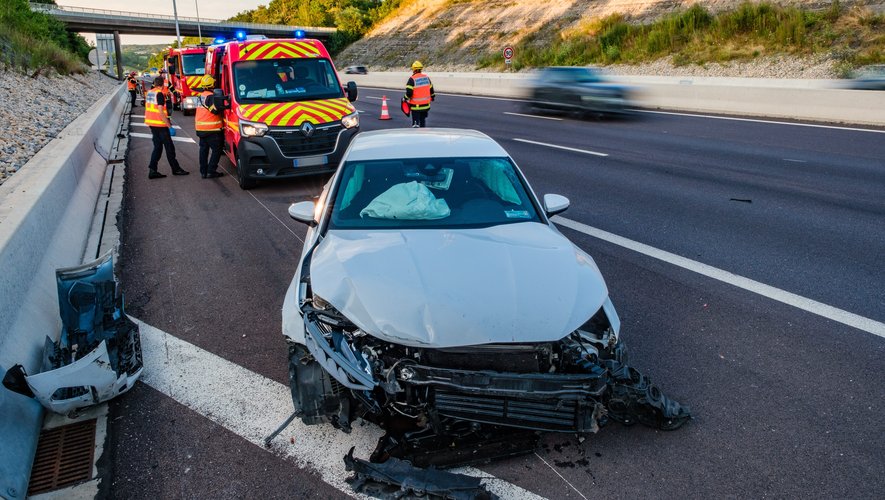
x=435, y=298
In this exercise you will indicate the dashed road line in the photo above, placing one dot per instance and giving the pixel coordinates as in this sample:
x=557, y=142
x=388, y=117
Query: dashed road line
x=795, y=161
x=757, y=120
x=533, y=116
x=252, y=406
x=566, y=148
x=148, y=136
x=839, y=315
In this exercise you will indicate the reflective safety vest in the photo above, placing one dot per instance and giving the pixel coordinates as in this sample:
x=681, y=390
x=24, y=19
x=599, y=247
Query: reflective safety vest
x=206, y=121
x=420, y=91
x=131, y=84
x=154, y=114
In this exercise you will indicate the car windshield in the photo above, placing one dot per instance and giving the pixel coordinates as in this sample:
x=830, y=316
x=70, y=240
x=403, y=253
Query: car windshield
x=193, y=64
x=573, y=75
x=430, y=193
x=284, y=80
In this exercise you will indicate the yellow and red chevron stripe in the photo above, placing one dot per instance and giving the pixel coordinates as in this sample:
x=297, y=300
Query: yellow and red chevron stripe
x=192, y=81
x=278, y=50
x=293, y=114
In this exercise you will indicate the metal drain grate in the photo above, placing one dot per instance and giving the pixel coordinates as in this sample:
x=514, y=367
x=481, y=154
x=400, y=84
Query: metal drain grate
x=64, y=457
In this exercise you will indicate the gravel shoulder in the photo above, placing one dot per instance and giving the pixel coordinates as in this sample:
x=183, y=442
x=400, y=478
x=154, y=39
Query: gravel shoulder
x=35, y=110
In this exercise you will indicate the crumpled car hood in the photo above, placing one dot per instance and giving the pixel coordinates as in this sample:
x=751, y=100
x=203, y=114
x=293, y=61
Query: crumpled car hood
x=513, y=283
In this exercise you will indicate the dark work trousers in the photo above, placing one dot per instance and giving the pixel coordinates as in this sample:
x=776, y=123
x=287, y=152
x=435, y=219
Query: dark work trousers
x=132, y=95
x=419, y=117
x=213, y=141
x=162, y=139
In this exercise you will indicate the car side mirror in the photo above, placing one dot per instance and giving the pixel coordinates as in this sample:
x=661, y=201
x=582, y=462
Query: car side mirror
x=351, y=91
x=555, y=204
x=219, y=97
x=303, y=212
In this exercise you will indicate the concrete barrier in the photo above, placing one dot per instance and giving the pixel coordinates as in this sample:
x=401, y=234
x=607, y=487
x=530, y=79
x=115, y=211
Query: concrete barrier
x=813, y=100
x=46, y=211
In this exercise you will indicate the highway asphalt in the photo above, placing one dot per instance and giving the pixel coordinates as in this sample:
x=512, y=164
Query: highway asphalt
x=788, y=401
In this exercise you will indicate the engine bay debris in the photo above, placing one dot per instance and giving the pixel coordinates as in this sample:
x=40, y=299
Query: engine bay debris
x=98, y=354
x=399, y=479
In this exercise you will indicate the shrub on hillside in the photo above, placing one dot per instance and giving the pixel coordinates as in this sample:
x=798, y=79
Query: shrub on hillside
x=36, y=41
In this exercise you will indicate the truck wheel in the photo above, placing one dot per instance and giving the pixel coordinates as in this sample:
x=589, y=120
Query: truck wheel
x=242, y=180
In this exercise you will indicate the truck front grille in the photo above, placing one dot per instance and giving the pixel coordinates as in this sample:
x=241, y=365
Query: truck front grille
x=293, y=143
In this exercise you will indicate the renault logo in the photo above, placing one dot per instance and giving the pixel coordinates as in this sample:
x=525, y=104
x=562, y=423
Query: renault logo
x=307, y=129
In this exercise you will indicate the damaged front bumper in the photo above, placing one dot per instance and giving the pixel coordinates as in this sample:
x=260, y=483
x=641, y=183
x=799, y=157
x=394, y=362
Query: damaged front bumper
x=98, y=353
x=575, y=385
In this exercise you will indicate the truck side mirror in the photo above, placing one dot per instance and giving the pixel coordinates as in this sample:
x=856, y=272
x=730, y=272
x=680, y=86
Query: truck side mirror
x=221, y=100
x=351, y=91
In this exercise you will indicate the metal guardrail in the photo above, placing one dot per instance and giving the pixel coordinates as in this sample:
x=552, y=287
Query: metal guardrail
x=116, y=14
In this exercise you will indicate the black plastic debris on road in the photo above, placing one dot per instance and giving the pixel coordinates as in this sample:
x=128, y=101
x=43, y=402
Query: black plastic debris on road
x=399, y=479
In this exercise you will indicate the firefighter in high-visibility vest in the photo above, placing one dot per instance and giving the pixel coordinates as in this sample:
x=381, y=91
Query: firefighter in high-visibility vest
x=210, y=129
x=157, y=109
x=419, y=94
x=132, y=86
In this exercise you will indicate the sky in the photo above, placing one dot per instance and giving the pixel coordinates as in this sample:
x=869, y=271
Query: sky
x=209, y=9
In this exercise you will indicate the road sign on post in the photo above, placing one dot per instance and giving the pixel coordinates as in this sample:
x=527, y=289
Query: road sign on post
x=508, y=54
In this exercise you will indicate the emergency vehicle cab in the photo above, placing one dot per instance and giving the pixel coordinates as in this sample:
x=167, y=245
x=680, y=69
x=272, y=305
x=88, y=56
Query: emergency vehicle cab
x=186, y=67
x=286, y=113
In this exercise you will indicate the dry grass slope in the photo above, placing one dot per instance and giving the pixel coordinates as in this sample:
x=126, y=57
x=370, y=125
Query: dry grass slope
x=462, y=35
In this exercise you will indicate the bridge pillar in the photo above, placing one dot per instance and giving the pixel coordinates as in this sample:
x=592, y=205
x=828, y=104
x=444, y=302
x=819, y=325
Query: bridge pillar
x=119, y=53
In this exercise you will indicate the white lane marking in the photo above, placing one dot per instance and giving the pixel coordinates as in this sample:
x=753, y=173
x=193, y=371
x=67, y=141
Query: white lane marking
x=555, y=146
x=795, y=161
x=252, y=406
x=839, y=315
x=561, y=476
x=137, y=116
x=176, y=138
x=534, y=116
x=231, y=176
x=178, y=127
x=756, y=120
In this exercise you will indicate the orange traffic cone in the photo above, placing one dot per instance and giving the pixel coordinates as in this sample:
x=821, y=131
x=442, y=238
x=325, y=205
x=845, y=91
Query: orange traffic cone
x=385, y=114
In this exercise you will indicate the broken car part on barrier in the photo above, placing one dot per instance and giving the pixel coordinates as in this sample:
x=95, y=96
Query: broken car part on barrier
x=98, y=353
x=435, y=298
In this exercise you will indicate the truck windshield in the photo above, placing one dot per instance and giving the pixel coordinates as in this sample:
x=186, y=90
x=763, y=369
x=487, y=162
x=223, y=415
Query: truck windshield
x=193, y=64
x=285, y=80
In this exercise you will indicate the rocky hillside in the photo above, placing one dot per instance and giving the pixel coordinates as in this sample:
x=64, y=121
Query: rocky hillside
x=455, y=35
x=36, y=109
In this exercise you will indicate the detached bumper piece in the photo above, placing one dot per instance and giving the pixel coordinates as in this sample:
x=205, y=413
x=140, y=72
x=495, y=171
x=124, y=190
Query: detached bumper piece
x=633, y=398
x=399, y=479
x=98, y=354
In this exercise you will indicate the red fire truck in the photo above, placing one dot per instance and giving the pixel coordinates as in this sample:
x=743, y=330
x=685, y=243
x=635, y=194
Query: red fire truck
x=186, y=67
x=286, y=113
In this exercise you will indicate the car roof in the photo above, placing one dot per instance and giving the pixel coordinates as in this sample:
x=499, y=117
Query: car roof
x=422, y=143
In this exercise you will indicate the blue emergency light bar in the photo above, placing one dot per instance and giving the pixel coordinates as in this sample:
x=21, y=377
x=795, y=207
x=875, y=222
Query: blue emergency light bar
x=219, y=40
x=241, y=35
x=299, y=34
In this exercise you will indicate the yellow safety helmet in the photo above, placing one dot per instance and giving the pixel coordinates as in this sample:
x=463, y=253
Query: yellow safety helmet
x=417, y=66
x=207, y=82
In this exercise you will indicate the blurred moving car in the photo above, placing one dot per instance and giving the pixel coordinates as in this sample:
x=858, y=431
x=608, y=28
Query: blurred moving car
x=869, y=78
x=433, y=286
x=581, y=90
x=356, y=70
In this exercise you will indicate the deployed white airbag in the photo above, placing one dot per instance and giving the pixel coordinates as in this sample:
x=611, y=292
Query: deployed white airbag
x=407, y=201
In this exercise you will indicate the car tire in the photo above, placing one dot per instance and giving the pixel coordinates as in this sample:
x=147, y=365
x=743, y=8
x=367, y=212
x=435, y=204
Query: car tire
x=244, y=182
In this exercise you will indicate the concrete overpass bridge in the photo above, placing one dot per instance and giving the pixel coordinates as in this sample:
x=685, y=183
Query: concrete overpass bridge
x=118, y=23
